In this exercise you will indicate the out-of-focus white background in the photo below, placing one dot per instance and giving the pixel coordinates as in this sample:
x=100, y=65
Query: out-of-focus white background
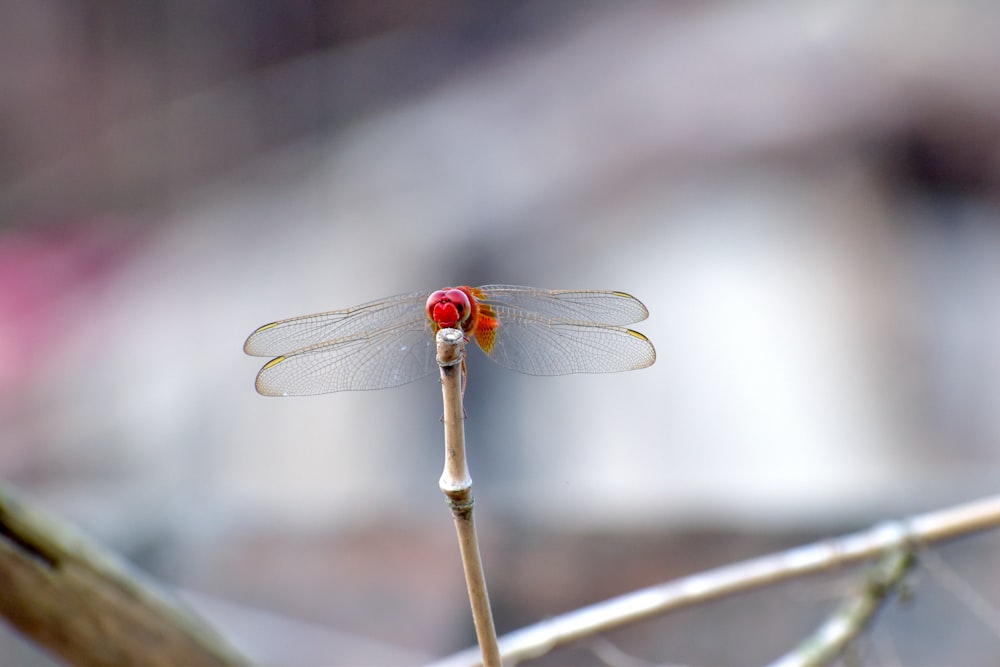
x=805, y=196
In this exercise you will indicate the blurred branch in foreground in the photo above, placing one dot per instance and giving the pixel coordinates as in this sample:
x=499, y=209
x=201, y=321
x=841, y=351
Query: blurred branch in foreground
x=833, y=637
x=83, y=605
x=884, y=538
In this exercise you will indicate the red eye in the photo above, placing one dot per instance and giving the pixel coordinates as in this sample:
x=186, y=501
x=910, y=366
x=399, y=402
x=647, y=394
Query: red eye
x=448, y=308
x=461, y=301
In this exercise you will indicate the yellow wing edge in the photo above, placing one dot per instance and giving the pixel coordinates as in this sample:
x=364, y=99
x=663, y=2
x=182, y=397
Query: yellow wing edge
x=246, y=343
x=652, y=350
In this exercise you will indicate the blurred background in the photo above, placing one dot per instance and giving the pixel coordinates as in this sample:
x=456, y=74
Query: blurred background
x=805, y=195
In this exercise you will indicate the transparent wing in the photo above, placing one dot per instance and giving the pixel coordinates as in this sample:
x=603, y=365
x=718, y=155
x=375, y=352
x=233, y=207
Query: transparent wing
x=298, y=333
x=588, y=306
x=387, y=358
x=553, y=347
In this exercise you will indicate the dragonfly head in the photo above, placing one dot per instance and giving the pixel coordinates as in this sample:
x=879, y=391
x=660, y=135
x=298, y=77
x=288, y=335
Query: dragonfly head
x=449, y=308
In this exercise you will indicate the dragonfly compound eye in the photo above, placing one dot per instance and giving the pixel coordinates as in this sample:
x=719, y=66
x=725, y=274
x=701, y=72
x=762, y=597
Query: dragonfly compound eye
x=448, y=308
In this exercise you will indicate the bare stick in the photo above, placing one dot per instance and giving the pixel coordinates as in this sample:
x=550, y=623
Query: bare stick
x=88, y=608
x=938, y=526
x=456, y=484
x=850, y=620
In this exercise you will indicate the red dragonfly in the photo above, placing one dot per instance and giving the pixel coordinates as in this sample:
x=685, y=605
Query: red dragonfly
x=389, y=342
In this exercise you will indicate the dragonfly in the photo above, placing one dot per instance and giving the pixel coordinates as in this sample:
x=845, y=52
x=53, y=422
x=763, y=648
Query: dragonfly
x=390, y=342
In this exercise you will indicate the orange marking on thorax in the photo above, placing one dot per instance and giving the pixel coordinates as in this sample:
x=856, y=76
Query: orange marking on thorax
x=482, y=323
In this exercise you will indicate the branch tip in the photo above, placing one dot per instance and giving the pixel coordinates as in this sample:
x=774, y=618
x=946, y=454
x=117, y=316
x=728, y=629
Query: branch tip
x=450, y=345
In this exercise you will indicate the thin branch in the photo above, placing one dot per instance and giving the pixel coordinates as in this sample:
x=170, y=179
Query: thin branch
x=456, y=484
x=832, y=638
x=937, y=526
x=83, y=605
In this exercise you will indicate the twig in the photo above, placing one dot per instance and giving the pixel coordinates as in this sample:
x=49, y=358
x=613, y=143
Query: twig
x=456, y=484
x=88, y=608
x=831, y=638
x=937, y=526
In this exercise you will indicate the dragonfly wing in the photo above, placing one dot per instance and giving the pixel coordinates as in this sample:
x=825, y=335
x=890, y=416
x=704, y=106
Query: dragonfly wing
x=588, y=306
x=554, y=347
x=388, y=358
x=297, y=333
